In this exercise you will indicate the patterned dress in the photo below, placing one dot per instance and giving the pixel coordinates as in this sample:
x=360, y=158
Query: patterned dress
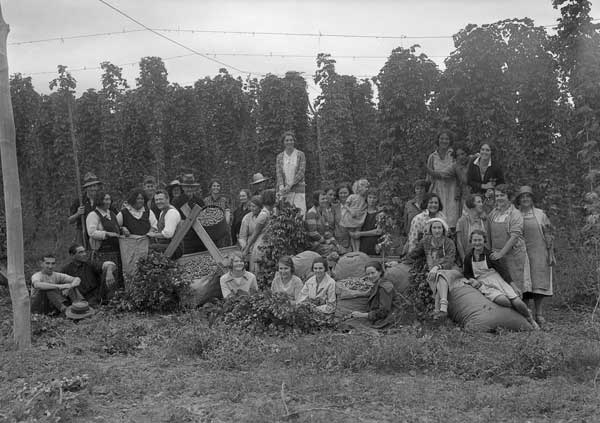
x=446, y=186
x=536, y=227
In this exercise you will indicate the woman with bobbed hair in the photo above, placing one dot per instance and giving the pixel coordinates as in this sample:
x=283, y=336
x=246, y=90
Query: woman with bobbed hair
x=341, y=234
x=237, y=280
x=432, y=206
x=506, y=238
x=475, y=218
x=383, y=299
x=290, y=167
x=482, y=174
x=441, y=171
x=320, y=288
x=285, y=281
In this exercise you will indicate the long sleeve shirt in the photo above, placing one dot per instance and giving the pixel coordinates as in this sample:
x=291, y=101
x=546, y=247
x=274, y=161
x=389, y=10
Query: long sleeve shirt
x=171, y=220
x=324, y=290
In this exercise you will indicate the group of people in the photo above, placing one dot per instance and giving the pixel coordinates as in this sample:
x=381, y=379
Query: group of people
x=461, y=217
x=466, y=216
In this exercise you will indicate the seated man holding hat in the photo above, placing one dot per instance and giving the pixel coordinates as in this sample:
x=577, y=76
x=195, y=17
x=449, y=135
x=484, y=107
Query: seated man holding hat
x=53, y=291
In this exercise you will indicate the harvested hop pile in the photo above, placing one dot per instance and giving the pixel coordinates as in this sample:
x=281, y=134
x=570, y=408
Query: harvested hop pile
x=198, y=267
x=210, y=216
x=356, y=284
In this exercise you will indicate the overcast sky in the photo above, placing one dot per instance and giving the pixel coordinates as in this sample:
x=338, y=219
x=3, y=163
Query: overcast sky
x=41, y=19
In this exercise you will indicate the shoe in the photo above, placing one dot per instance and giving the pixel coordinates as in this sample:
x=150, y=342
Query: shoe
x=541, y=320
x=534, y=324
x=439, y=315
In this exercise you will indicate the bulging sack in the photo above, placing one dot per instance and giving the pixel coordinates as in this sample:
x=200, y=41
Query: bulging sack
x=349, y=300
x=399, y=274
x=303, y=264
x=203, y=290
x=470, y=309
x=351, y=265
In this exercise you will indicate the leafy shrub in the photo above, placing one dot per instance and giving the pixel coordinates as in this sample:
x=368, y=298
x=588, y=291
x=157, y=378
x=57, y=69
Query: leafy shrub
x=284, y=235
x=265, y=312
x=538, y=358
x=158, y=286
x=419, y=293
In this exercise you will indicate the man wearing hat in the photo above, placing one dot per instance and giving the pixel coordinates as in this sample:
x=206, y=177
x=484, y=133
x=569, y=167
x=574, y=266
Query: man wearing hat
x=191, y=192
x=91, y=185
x=149, y=187
x=56, y=291
x=258, y=183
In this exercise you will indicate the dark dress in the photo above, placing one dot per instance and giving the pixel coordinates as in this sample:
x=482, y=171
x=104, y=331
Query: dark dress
x=109, y=248
x=87, y=204
x=236, y=222
x=475, y=180
x=135, y=226
x=368, y=243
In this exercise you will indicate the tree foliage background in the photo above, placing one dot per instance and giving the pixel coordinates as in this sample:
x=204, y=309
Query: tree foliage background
x=535, y=96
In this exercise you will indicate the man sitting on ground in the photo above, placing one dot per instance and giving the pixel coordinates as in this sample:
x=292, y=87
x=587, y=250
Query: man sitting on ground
x=168, y=220
x=96, y=278
x=52, y=290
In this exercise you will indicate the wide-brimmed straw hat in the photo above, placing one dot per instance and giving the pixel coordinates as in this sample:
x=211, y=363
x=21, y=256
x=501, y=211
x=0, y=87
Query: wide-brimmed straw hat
x=257, y=178
x=90, y=179
x=188, y=180
x=79, y=310
x=525, y=189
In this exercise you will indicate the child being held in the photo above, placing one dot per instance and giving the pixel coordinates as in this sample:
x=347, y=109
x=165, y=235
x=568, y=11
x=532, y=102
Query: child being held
x=354, y=210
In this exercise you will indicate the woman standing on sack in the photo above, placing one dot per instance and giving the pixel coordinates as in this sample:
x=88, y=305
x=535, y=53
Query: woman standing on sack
x=290, y=168
x=539, y=241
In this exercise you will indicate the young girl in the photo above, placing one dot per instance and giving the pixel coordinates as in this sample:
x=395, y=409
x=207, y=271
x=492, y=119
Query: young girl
x=440, y=253
x=492, y=278
x=354, y=211
x=320, y=288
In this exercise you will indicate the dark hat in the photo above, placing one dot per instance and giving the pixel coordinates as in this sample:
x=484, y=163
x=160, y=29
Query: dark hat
x=90, y=179
x=149, y=179
x=525, y=189
x=79, y=310
x=188, y=180
x=257, y=178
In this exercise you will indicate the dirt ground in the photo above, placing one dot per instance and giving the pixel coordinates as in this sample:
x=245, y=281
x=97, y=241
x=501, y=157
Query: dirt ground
x=138, y=368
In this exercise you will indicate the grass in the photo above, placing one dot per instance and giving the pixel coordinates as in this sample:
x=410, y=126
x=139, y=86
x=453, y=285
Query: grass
x=150, y=368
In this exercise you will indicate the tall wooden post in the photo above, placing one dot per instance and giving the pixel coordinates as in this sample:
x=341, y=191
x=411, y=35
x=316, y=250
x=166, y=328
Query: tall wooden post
x=12, y=204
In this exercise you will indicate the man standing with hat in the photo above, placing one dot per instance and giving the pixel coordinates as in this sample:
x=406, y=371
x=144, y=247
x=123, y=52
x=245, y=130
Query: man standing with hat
x=91, y=185
x=258, y=183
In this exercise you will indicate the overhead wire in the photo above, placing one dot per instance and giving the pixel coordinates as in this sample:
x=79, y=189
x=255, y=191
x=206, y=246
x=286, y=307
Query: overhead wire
x=251, y=33
x=227, y=65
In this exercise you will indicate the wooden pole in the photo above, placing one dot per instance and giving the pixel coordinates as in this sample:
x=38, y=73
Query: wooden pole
x=12, y=204
x=84, y=239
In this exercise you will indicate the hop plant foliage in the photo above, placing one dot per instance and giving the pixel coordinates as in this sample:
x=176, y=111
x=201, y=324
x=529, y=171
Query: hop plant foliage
x=158, y=285
x=273, y=314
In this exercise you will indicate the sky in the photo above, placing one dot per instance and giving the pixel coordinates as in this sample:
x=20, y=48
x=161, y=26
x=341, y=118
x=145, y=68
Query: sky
x=42, y=19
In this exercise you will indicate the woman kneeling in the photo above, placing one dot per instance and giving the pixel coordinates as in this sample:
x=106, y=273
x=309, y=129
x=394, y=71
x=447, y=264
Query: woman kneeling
x=492, y=278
